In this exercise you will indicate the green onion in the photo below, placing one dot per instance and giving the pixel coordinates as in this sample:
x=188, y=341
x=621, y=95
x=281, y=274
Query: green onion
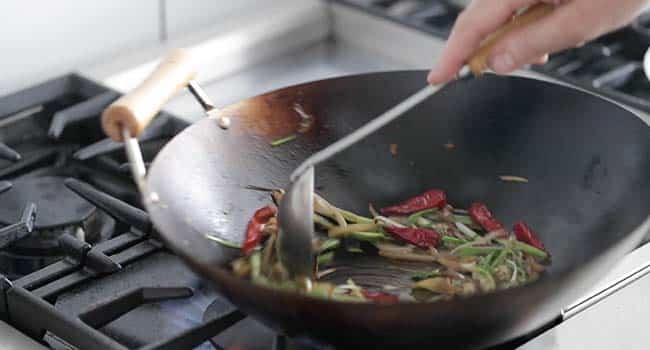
x=449, y=240
x=464, y=219
x=369, y=236
x=256, y=265
x=499, y=258
x=473, y=251
x=413, y=217
x=526, y=248
x=352, y=217
x=422, y=222
x=223, y=242
x=330, y=244
x=423, y=275
x=325, y=258
x=466, y=230
x=283, y=140
x=486, y=263
x=321, y=220
x=354, y=250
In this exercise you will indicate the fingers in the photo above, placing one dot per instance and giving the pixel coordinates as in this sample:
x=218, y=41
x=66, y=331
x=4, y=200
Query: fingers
x=570, y=25
x=550, y=34
x=480, y=19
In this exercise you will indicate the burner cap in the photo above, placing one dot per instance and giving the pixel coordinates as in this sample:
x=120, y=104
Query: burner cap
x=56, y=205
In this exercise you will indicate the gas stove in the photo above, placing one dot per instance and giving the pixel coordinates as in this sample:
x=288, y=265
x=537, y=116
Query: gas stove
x=81, y=265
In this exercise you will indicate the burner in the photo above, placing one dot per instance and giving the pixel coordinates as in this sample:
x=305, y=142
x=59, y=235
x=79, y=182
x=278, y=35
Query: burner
x=58, y=211
x=56, y=204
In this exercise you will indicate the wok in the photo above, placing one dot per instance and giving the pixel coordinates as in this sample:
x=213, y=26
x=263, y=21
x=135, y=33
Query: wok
x=588, y=196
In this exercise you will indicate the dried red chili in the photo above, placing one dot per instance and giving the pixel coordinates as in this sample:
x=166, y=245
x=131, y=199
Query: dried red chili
x=525, y=234
x=420, y=237
x=480, y=213
x=379, y=297
x=427, y=200
x=255, y=227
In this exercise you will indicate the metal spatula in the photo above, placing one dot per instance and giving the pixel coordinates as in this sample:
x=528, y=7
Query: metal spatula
x=296, y=213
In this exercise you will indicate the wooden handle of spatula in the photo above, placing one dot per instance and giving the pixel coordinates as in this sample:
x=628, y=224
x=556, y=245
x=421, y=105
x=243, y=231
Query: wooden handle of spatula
x=479, y=61
x=136, y=109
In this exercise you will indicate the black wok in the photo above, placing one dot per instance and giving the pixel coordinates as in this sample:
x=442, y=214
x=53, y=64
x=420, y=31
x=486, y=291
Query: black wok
x=588, y=162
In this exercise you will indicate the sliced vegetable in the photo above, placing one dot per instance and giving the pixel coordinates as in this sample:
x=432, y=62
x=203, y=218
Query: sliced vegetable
x=485, y=279
x=343, y=231
x=422, y=222
x=321, y=220
x=223, y=242
x=466, y=230
x=255, y=265
x=415, y=216
x=500, y=257
x=282, y=141
x=352, y=217
x=427, y=200
x=440, y=285
x=474, y=251
x=511, y=178
x=325, y=258
x=452, y=241
x=423, y=275
x=329, y=244
x=420, y=237
x=255, y=227
x=369, y=236
x=525, y=234
x=528, y=249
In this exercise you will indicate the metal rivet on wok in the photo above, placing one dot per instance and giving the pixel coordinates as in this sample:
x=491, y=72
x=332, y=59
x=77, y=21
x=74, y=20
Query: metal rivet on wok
x=153, y=197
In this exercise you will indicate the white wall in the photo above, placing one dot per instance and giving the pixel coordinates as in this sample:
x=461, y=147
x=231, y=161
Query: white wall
x=185, y=16
x=40, y=39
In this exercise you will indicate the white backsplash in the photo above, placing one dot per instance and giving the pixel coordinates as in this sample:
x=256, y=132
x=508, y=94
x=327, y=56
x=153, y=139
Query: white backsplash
x=42, y=39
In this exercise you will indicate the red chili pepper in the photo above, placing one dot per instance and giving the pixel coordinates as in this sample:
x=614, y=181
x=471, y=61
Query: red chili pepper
x=482, y=216
x=421, y=237
x=255, y=227
x=525, y=234
x=427, y=200
x=379, y=297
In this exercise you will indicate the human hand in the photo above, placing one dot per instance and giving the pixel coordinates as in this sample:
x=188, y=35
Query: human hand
x=571, y=24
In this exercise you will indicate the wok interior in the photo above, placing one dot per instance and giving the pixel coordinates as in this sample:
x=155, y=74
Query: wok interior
x=586, y=160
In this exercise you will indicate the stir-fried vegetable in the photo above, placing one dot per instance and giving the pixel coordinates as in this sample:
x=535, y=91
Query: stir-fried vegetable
x=468, y=251
x=282, y=141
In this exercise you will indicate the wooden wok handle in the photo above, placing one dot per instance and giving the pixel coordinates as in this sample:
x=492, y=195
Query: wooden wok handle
x=136, y=109
x=478, y=63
